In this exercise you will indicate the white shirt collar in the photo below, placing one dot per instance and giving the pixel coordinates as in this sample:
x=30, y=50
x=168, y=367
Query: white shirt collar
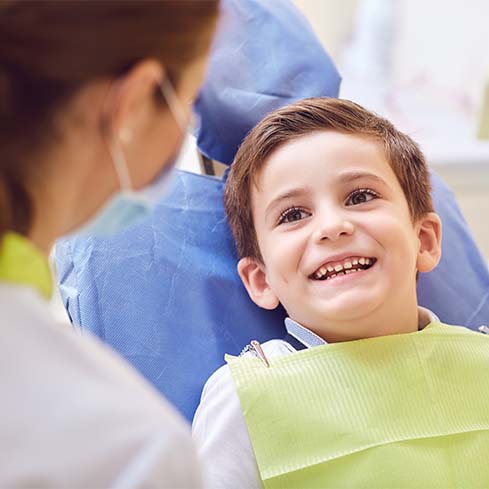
x=302, y=334
x=310, y=339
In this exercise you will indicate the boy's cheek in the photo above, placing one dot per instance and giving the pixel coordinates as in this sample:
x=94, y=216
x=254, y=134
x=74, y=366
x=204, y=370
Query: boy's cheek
x=392, y=228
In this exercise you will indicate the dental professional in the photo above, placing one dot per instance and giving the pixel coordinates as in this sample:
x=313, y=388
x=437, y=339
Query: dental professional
x=94, y=99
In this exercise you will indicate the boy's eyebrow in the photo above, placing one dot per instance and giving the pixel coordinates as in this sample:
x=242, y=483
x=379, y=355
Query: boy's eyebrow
x=358, y=175
x=288, y=194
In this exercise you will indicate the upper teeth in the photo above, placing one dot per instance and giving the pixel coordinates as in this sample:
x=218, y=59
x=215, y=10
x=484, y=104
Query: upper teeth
x=349, y=265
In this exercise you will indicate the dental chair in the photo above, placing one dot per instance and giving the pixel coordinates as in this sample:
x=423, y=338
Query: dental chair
x=165, y=293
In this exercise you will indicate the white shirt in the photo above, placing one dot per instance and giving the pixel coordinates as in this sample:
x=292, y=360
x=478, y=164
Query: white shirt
x=74, y=415
x=219, y=427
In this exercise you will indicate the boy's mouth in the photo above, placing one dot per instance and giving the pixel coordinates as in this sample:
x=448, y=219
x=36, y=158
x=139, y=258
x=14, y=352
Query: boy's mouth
x=352, y=264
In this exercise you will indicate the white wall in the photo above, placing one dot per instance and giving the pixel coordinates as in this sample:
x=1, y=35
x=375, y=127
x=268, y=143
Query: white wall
x=332, y=20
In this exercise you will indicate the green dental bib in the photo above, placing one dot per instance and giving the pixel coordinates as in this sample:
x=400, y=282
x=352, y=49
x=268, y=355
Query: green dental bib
x=396, y=411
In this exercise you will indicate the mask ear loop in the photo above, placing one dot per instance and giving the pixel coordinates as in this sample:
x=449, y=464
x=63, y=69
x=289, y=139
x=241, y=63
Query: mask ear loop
x=115, y=149
x=120, y=165
x=174, y=103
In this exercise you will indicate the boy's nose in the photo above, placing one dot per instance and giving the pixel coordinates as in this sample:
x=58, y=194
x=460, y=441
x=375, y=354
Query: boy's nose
x=332, y=228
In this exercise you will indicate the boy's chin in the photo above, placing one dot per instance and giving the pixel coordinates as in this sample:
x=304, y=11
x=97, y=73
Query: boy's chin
x=355, y=307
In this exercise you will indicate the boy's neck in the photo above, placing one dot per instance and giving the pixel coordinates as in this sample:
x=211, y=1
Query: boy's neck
x=384, y=323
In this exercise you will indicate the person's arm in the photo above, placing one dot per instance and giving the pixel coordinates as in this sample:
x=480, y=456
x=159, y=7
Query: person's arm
x=222, y=439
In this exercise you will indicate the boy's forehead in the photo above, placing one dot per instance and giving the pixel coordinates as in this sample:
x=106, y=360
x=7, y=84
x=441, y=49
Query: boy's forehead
x=325, y=151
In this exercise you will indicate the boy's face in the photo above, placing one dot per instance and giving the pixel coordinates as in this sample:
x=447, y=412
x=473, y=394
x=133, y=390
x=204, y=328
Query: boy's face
x=339, y=247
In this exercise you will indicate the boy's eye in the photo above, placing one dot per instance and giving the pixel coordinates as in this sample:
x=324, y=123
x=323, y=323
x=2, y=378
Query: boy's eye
x=361, y=196
x=292, y=215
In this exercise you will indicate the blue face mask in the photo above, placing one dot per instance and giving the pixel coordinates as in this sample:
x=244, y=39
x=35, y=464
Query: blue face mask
x=128, y=207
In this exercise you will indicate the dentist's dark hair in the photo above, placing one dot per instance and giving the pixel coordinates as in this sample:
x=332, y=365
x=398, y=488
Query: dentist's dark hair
x=50, y=49
x=304, y=117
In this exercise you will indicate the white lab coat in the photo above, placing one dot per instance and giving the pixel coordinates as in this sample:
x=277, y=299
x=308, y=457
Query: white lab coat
x=74, y=415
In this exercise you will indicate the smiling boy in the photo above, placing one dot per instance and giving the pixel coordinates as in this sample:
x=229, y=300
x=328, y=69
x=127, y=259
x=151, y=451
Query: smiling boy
x=331, y=211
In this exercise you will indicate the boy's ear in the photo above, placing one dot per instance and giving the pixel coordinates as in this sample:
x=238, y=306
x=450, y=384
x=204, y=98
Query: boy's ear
x=429, y=235
x=254, y=278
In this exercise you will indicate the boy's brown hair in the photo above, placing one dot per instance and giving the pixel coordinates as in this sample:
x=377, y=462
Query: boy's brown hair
x=301, y=118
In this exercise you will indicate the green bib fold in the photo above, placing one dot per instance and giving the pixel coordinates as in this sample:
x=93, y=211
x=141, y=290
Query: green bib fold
x=396, y=411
